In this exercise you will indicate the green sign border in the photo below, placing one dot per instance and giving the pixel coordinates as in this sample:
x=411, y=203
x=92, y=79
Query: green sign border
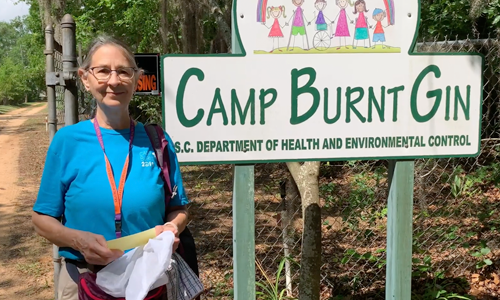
x=411, y=52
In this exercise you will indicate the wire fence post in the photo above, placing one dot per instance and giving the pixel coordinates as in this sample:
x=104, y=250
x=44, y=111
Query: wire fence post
x=65, y=80
x=69, y=70
x=51, y=86
x=51, y=79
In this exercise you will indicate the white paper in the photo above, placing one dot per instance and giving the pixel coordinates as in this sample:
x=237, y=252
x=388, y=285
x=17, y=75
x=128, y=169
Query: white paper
x=138, y=271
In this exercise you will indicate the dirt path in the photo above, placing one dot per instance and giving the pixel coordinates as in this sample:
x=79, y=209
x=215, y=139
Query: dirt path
x=9, y=153
x=15, y=254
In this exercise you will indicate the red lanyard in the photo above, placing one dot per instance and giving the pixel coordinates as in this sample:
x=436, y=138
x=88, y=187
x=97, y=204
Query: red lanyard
x=117, y=193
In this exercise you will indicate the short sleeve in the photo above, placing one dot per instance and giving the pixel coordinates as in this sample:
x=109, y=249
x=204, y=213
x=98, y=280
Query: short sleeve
x=175, y=176
x=50, y=200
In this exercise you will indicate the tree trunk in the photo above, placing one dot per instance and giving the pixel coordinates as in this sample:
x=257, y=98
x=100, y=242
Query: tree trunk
x=45, y=12
x=224, y=28
x=189, y=27
x=60, y=6
x=293, y=198
x=289, y=207
x=164, y=26
x=222, y=41
x=306, y=177
x=51, y=17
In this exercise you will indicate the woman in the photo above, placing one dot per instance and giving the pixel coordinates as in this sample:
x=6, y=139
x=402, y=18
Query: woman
x=109, y=189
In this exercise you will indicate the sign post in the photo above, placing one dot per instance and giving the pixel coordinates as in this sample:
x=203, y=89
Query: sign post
x=399, y=230
x=309, y=81
x=243, y=222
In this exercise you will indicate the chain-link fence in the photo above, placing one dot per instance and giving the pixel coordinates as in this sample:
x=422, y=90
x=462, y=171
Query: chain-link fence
x=456, y=216
x=86, y=103
x=456, y=228
x=58, y=65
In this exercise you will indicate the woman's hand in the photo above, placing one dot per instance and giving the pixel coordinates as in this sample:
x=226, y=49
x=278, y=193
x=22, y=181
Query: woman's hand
x=169, y=226
x=94, y=248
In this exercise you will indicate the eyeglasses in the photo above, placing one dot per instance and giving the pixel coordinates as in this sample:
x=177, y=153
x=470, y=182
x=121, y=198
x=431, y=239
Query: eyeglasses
x=104, y=74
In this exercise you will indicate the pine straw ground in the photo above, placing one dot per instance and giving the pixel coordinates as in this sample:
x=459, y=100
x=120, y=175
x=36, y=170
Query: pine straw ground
x=447, y=232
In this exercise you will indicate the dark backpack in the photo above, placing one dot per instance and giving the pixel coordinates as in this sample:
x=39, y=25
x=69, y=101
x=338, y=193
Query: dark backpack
x=187, y=247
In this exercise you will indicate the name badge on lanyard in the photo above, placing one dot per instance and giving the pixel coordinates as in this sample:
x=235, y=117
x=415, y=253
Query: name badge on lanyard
x=117, y=193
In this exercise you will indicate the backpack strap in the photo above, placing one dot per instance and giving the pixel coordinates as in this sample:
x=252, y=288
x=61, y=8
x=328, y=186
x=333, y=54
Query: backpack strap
x=160, y=143
x=187, y=247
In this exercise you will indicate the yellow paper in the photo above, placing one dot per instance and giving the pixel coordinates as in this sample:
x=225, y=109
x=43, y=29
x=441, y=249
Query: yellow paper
x=132, y=241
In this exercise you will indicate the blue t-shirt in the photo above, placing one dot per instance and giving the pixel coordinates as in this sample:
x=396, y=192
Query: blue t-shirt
x=75, y=183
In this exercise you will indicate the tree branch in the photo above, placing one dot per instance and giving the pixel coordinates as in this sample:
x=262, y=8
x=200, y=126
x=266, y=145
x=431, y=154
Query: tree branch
x=294, y=168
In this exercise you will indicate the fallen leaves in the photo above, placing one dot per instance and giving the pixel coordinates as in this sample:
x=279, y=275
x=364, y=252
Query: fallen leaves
x=487, y=286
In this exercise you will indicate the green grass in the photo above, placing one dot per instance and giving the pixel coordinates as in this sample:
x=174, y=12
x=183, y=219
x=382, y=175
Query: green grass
x=37, y=104
x=333, y=49
x=31, y=268
x=8, y=108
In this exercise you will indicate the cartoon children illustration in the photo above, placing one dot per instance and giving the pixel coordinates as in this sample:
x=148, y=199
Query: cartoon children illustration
x=342, y=29
x=275, y=33
x=361, y=29
x=320, y=18
x=298, y=25
x=379, y=34
x=322, y=39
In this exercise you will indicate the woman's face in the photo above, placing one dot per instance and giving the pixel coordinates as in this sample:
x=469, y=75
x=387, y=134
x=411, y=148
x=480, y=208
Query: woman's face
x=342, y=3
x=298, y=2
x=116, y=91
x=360, y=7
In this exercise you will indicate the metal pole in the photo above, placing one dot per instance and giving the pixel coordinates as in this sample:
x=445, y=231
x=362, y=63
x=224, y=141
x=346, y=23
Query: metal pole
x=69, y=69
x=243, y=217
x=51, y=89
x=399, y=231
x=52, y=126
x=285, y=224
x=244, y=233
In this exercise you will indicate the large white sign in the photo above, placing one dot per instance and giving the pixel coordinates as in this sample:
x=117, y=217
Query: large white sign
x=323, y=80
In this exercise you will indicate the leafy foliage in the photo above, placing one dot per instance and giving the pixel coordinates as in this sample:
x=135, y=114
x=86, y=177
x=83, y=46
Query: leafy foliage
x=137, y=23
x=22, y=64
x=459, y=19
x=270, y=290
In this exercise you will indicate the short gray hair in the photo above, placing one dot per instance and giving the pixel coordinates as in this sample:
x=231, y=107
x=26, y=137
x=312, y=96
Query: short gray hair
x=103, y=40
